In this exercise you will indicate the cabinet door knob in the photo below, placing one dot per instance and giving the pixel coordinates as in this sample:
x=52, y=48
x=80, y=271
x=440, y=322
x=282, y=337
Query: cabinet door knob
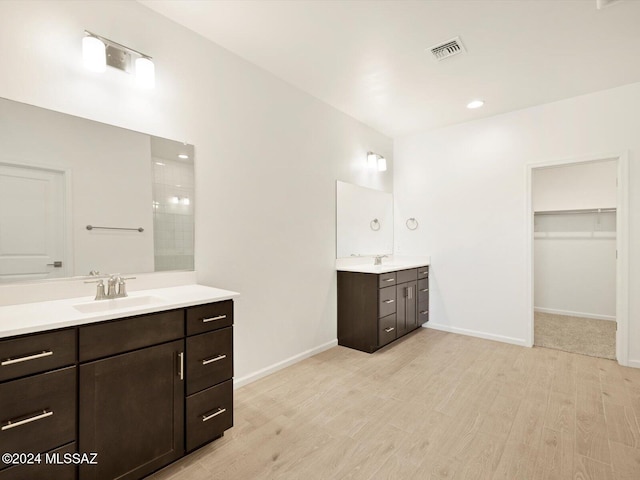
x=389, y=301
x=424, y=312
x=424, y=289
x=390, y=329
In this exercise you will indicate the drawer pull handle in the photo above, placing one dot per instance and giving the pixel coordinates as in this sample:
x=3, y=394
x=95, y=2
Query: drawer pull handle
x=424, y=273
x=213, y=319
x=424, y=289
x=424, y=312
x=389, y=301
x=390, y=280
x=11, y=361
x=214, y=359
x=209, y=417
x=390, y=329
x=181, y=368
x=10, y=424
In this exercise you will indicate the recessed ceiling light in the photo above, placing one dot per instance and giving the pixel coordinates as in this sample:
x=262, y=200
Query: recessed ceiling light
x=160, y=163
x=183, y=156
x=475, y=104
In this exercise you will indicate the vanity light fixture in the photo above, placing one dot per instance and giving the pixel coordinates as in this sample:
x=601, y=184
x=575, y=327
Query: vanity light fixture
x=475, y=104
x=180, y=200
x=94, y=53
x=376, y=162
x=98, y=52
x=372, y=160
x=145, y=72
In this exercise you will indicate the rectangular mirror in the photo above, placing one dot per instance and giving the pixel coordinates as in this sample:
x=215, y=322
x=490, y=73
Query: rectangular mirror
x=364, y=221
x=78, y=196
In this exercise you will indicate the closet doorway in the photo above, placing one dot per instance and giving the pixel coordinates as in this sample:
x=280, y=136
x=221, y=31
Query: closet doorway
x=575, y=242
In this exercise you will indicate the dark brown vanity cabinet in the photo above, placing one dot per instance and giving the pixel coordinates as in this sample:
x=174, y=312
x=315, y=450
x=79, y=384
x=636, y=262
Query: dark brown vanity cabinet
x=375, y=309
x=37, y=403
x=423, y=295
x=139, y=391
x=209, y=402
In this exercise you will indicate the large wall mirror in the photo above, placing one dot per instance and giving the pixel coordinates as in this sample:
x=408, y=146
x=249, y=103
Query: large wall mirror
x=364, y=224
x=78, y=196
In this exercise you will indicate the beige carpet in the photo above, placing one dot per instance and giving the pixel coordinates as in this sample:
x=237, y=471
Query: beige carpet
x=596, y=338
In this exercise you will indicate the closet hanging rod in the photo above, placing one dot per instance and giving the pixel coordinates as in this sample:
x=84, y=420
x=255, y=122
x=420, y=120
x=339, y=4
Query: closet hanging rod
x=584, y=210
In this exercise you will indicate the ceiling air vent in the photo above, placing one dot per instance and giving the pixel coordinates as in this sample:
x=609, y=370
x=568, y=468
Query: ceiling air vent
x=447, y=49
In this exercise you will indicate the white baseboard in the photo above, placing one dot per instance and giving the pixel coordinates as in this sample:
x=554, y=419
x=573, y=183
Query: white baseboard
x=263, y=372
x=634, y=363
x=474, y=333
x=575, y=314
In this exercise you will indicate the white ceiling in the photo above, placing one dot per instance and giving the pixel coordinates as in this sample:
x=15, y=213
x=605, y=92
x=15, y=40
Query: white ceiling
x=369, y=58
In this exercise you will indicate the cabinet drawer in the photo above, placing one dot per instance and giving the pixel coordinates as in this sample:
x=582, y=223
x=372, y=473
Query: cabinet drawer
x=111, y=338
x=387, y=301
x=44, y=470
x=387, y=331
x=423, y=288
x=209, y=359
x=387, y=279
x=209, y=317
x=209, y=414
x=423, y=272
x=38, y=413
x=37, y=353
x=423, y=315
x=407, y=275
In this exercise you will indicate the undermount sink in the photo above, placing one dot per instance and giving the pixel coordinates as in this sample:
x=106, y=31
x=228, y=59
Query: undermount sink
x=116, y=303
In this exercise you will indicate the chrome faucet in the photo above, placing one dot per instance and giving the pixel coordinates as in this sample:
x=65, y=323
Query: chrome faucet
x=116, y=287
x=378, y=259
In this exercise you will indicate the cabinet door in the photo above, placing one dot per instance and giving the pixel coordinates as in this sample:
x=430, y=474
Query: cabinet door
x=132, y=412
x=406, y=296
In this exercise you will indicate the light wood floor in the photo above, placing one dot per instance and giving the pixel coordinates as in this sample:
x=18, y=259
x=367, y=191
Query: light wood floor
x=434, y=406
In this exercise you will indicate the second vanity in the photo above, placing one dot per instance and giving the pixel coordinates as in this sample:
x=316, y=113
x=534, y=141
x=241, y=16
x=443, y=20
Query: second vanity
x=378, y=304
x=103, y=393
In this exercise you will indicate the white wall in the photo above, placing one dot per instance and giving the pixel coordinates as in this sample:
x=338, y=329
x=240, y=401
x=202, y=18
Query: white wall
x=575, y=254
x=267, y=158
x=574, y=187
x=467, y=186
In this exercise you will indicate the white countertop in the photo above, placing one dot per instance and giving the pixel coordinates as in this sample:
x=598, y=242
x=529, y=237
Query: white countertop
x=37, y=317
x=393, y=266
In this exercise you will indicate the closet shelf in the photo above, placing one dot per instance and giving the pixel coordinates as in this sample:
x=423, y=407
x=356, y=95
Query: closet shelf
x=569, y=212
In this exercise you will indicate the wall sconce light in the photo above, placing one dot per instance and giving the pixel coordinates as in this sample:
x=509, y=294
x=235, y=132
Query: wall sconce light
x=376, y=162
x=98, y=52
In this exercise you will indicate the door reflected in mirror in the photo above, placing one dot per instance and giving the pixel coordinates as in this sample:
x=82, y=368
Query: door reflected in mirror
x=78, y=196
